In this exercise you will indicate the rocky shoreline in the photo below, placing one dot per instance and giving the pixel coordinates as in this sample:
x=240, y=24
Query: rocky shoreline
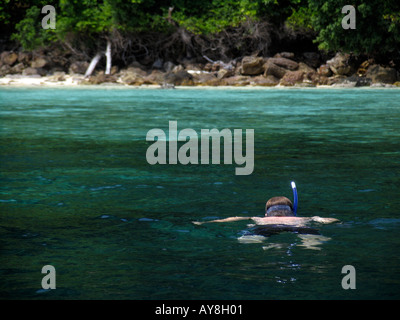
x=283, y=69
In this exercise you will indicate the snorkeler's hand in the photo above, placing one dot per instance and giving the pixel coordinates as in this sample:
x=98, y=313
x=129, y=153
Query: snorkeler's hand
x=197, y=223
x=324, y=220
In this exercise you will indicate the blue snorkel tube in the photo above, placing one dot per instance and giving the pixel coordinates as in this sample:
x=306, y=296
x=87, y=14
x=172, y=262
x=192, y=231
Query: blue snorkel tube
x=295, y=200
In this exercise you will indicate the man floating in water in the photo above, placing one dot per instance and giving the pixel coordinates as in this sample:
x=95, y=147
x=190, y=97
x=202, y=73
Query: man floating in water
x=278, y=211
x=280, y=216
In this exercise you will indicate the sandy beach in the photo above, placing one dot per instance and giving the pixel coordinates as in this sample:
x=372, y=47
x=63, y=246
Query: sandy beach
x=79, y=80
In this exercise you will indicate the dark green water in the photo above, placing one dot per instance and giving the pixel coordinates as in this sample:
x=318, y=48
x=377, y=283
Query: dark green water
x=77, y=193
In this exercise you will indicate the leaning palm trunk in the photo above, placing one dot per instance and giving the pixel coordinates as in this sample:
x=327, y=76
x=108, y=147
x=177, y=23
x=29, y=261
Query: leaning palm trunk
x=97, y=58
x=92, y=65
x=108, y=57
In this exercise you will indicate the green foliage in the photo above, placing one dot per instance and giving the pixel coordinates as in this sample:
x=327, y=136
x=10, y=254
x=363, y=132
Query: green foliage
x=301, y=19
x=30, y=33
x=222, y=14
x=377, y=26
x=377, y=29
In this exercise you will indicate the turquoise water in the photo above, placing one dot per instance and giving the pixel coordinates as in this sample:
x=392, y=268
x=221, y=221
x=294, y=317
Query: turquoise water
x=77, y=193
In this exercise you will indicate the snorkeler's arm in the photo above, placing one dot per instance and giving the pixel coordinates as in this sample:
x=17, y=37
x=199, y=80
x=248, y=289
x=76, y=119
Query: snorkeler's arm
x=324, y=220
x=230, y=219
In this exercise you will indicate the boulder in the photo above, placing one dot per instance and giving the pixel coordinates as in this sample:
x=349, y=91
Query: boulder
x=155, y=77
x=287, y=55
x=194, y=66
x=224, y=73
x=340, y=64
x=78, y=67
x=33, y=71
x=205, y=79
x=252, y=66
x=362, y=69
x=4, y=69
x=306, y=68
x=269, y=81
x=292, y=77
x=132, y=76
x=381, y=74
x=131, y=79
x=273, y=70
x=324, y=70
x=39, y=62
x=284, y=63
x=24, y=57
x=179, y=67
x=237, y=80
x=57, y=76
x=102, y=78
x=139, y=72
x=18, y=68
x=168, y=66
x=180, y=78
x=8, y=58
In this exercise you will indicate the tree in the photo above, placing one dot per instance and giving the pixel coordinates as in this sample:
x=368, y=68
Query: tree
x=377, y=26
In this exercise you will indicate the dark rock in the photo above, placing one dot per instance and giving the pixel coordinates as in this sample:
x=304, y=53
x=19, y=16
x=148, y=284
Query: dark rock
x=252, y=66
x=155, y=77
x=284, y=63
x=273, y=70
x=18, y=68
x=205, y=79
x=57, y=76
x=236, y=80
x=79, y=67
x=33, y=71
x=362, y=69
x=292, y=77
x=340, y=64
x=179, y=78
x=287, y=55
x=312, y=59
x=24, y=57
x=381, y=74
x=324, y=70
x=102, y=78
x=8, y=57
x=158, y=64
x=224, y=73
x=269, y=81
x=168, y=66
x=39, y=62
x=4, y=69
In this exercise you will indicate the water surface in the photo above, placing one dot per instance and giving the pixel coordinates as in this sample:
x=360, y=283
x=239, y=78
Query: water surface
x=77, y=193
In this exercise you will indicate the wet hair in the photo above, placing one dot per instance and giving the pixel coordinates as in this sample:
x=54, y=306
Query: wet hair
x=283, y=207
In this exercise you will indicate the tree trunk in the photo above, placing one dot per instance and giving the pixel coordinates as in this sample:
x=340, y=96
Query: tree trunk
x=92, y=64
x=108, y=57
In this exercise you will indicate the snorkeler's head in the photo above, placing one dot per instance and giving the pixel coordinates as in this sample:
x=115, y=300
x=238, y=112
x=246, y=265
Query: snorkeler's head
x=279, y=207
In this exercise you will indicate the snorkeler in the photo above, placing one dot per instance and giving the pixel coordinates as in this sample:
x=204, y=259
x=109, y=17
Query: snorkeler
x=280, y=215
